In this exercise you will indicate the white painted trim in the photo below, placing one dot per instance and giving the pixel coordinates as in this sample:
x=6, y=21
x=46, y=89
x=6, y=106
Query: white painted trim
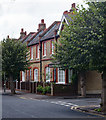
x=23, y=76
x=63, y=18
x=60, y=82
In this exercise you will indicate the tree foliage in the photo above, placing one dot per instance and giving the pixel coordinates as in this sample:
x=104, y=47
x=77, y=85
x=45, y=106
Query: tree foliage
x=81, y=44
x=14, y=57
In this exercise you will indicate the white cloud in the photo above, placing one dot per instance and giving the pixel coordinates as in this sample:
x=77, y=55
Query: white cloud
x=15, y=14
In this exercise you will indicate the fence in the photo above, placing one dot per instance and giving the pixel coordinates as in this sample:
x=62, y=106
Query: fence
x=56, y=89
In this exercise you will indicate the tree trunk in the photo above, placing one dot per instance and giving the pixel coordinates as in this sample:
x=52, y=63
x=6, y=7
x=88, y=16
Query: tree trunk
x=12, y=86
x=104, y=92
x=82, y=83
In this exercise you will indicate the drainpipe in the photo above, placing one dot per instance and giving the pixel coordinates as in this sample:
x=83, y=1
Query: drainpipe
x=40, y=51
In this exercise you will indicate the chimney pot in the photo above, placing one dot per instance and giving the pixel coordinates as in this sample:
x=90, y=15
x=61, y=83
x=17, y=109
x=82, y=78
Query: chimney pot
x=22, y=29
x=25, y=33
x=8, y=37
x=42, y=21
x=73, y=5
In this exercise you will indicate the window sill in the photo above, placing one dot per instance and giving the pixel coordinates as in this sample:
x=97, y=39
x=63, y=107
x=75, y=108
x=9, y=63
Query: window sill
x=60, y=82
x=47, y=80
x=37, y=58
x=31, y=59
x=51, y=55
x=44, y=56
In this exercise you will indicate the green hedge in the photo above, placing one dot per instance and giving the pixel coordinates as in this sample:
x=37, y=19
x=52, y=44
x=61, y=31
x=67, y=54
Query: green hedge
x=43, y=90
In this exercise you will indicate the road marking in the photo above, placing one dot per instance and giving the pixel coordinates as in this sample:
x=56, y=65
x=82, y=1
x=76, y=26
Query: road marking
x=67, y=105
x=43, y=100
x=73, y=106
x=64, y=104
x=34, y=99
x=23, y=98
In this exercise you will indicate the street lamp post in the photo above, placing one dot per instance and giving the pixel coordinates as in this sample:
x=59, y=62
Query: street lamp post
x=4, y=83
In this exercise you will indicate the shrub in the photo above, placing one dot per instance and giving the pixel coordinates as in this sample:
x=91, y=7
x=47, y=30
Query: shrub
x=98, y=110
x=44, y=90
x=40, y=88
x=48, y=89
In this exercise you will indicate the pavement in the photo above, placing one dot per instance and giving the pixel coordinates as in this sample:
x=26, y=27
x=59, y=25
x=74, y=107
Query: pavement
x=82, y=104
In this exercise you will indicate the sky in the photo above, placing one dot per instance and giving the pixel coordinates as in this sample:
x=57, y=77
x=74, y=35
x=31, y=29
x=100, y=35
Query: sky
x=27, y=14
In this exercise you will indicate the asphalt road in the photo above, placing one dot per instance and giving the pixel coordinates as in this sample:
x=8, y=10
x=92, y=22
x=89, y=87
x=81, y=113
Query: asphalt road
x=18, y=107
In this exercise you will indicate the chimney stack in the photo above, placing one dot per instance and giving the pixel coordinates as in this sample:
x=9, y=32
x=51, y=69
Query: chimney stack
x=22, y=33
x=42, y=25
x=73, y=7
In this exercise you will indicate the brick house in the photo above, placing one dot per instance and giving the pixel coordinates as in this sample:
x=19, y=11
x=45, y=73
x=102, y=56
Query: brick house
x=41, y=47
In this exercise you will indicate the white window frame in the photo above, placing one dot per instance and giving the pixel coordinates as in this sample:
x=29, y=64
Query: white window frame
x=37, y=51
x=52, y=47
x=47, y=74
x=36, y=75
x=31, y=53
x=61, y=76
x=23, y=76
x=44, y=49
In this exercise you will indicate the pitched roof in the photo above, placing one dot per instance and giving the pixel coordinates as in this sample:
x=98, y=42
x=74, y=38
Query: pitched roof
x=35, y=38
x=28, y=37
x=67, y=17
x=46, y=34
x=49, y=33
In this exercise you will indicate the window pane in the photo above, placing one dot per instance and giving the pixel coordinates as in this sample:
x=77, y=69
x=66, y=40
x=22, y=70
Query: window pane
x=36, y=75
x=31, y=52
x=48, y=73
x=61, y=76
x=52, y=48
x=23, y=76
x=38, y=51
x=44, y=48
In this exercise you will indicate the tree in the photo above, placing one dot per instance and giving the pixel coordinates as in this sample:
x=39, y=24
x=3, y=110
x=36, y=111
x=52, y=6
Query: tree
x=0, y=67
x=13, y=59
x=82, y=44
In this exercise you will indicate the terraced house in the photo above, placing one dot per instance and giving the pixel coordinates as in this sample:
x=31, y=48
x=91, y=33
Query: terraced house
x=41, y=45
x=41, y=48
